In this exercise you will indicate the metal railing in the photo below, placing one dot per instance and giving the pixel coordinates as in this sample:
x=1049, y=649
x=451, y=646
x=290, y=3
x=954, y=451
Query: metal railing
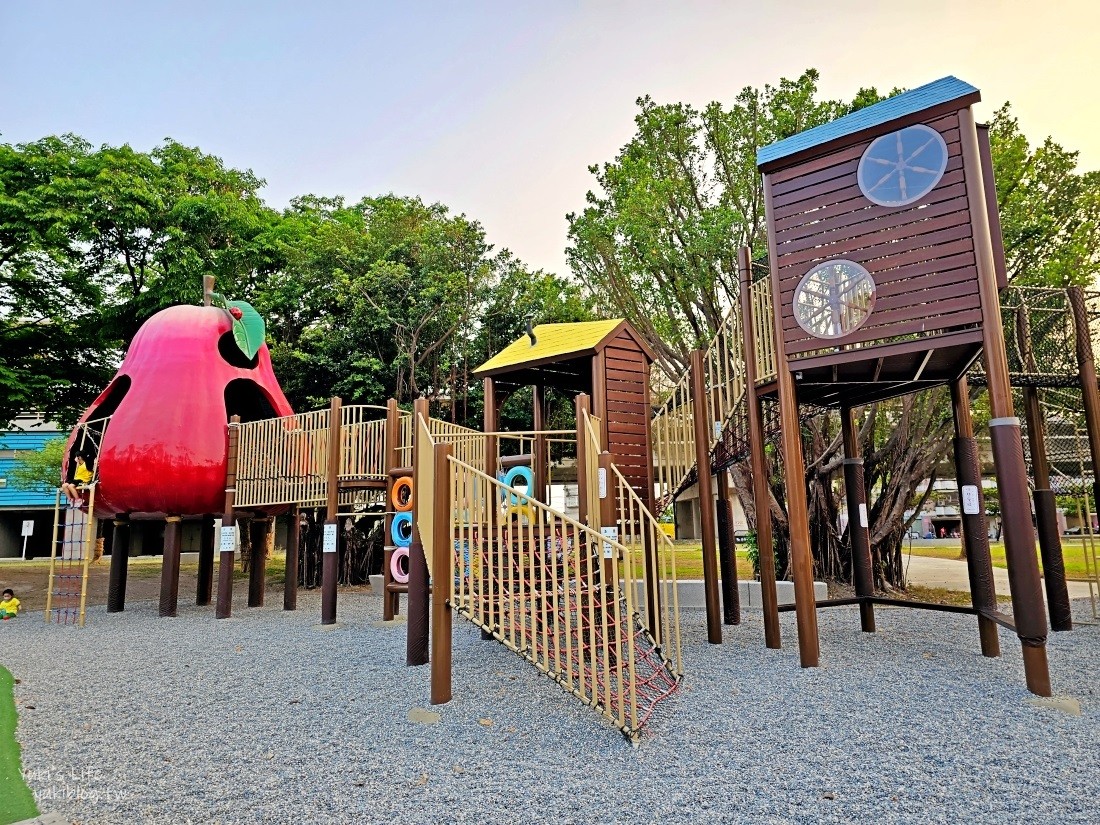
x=762, y=325
x=283, y=460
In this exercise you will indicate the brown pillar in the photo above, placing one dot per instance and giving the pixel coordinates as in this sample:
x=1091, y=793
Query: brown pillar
x=257, y=572
x=443, y=581
x=170, y=566
x=975, y=531
x=120, y=557
x=706, y=498
x=228, y=539
x=1046, y=511
x=1004, y=432
x=727, y=552
x=581, y=404
x=205, y=582
x=416, y=630
x=330, y=545
x=490, y=424
x=290, y=580
x=761, y=492
x=795, y=469
x=855, y=492
x=538, y=460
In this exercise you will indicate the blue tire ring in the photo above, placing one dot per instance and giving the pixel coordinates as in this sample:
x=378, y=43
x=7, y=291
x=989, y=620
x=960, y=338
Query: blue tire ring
x=401, y=531
x=510, y=479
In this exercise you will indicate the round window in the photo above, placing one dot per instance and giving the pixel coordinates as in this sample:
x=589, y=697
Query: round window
x=903, y=166
x=834, y=299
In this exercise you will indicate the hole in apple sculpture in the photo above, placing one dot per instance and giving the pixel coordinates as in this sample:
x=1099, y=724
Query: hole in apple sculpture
x=229, y=350
x=164, y=451
x=244, y=397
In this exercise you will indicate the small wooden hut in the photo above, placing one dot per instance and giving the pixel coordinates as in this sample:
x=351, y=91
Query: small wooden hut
x=609, y=361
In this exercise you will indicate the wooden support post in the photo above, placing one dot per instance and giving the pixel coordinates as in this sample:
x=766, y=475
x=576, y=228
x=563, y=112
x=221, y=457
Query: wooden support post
x=1090, y=394
x=120, y=558
x=582, y=405
x=416, y=630
x=794, y=466
x=1046, y=512
x=390, y=601
x=539, y=468
x=170, y=566
x=1004, y=432
x=290, y=580
x=979, y=564
x=855, y=492
x=330, y=556
x=257, y=571
x=761, y=492
x=228, y=540
x=490, y=424
x=706, y=499
x=609, y=513
x=205, y=581
x=727, y=552
x=442, y=579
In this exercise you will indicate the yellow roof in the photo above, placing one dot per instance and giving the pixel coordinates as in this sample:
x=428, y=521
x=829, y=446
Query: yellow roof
x=553, y=341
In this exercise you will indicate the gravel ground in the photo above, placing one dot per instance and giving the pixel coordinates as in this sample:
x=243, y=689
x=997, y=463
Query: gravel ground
x=269, y=718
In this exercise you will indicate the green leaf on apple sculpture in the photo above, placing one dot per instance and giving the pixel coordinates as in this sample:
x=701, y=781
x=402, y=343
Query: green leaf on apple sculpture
x=248, y=330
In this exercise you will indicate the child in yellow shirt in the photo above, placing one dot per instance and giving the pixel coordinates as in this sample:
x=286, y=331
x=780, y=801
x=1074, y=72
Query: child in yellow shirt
x=9, y=605
x=81, y=476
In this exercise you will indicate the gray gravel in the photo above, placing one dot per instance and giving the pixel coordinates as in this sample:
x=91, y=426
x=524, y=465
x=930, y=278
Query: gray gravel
x=269, y=718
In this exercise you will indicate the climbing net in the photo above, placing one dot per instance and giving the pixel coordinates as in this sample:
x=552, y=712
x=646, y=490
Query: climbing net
x=543, y=595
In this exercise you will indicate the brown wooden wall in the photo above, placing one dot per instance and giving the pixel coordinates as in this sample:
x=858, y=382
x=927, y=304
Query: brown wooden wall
x=621, y=389
x=921, y=256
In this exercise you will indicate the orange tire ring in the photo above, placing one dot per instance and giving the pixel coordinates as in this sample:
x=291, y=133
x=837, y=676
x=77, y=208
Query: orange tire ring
x=401, y=496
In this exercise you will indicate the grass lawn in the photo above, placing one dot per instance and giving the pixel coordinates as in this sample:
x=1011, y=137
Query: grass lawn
x=1073, y=552
x=689, y=562
x=16, y=799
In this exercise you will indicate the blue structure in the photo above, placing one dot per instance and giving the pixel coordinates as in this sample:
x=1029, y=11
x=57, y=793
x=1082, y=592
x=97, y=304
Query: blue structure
x=907, y=103
x=28, y=434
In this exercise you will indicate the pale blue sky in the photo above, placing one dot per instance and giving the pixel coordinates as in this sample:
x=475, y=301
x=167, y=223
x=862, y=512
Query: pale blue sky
x=497, y=108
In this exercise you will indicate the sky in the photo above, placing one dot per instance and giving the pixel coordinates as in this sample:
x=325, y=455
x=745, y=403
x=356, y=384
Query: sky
x=497, y=109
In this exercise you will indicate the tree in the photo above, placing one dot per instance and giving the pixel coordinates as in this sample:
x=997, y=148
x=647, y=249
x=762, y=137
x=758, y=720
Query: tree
x=94, y=242
x=1050, y=213
x=40, y=471
x=659, y=241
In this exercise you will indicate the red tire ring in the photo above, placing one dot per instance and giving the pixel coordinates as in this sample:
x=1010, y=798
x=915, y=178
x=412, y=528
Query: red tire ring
x=399, y=573
x=403, y=484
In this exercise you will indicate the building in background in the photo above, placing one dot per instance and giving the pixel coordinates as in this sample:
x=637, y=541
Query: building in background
x=27, y=434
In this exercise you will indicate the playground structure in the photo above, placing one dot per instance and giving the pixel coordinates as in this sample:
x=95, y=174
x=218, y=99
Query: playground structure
x=869, y=296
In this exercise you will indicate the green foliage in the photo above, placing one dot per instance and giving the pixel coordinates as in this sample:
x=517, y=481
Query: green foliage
x=40, y=471
x=94, y=241
x=1050, y=212
x=658, y=242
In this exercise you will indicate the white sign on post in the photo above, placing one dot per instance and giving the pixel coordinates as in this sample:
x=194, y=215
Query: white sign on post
x=28, y=528
x=601, y=476
x=863, y=515
x=970, y=500
x=228, y=542
x=611, y=533
x=328, y=544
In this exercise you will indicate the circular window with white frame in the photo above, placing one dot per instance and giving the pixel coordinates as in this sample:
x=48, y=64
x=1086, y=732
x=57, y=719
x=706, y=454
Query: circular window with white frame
x=834, y=299
x=902, y=167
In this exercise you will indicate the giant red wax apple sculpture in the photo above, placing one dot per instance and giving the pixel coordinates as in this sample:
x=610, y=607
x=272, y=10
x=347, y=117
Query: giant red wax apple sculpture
x=188, y=369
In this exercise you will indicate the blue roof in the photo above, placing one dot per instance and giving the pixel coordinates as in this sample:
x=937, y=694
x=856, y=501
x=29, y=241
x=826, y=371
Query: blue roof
x=907, y=103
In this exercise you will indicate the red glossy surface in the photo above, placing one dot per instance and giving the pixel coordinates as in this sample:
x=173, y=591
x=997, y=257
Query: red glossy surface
x=165, y=449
